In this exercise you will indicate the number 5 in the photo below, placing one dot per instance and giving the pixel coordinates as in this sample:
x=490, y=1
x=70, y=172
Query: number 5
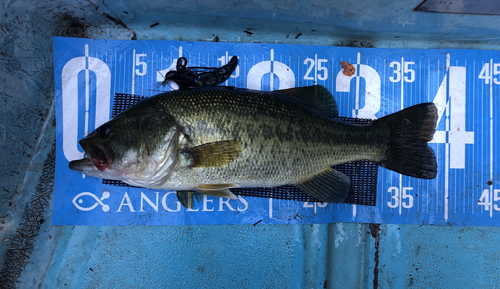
x=139, y=62
x=407, y=69
x=408, y=197
x=322, y=68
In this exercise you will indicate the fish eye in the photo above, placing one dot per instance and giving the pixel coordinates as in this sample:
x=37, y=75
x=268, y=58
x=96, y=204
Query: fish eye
x=104, y=130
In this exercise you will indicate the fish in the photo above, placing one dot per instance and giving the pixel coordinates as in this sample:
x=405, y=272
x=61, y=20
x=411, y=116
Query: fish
x=208, y=140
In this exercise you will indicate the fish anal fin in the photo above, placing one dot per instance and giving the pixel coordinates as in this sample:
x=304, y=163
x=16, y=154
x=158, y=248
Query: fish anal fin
x=329, y=186
x=216, y=154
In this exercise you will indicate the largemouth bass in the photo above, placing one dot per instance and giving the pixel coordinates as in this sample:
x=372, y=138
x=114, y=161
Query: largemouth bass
x=209, y=140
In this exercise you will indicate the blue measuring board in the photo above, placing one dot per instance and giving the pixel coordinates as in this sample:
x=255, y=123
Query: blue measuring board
x=464, y=85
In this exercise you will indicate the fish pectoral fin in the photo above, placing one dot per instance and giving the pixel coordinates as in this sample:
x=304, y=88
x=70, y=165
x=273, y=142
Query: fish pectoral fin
x=186, y=198
x=216, y=154
x=217, y=190
x=329, y=186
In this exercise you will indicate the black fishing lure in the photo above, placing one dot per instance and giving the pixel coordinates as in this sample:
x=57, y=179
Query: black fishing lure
x=192, y=77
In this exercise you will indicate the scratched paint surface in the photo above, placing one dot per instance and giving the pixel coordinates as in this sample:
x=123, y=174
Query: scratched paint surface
x=464, y=84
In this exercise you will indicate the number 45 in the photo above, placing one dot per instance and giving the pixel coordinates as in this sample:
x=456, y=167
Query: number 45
x=485, y=201
x=486, y=72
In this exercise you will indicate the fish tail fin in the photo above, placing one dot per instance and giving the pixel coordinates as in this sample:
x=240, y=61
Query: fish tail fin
x=410, y=130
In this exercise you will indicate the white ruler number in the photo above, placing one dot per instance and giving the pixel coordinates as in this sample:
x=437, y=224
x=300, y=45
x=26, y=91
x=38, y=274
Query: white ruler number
x=273, y=68
x=315, y=205
x=401, y=198
x=487, y=74
x=485, y=200
x=450, y=98
x=407, y=74
x=373, y=88
x=141, y=64
x=319, y=68
x=70, y=89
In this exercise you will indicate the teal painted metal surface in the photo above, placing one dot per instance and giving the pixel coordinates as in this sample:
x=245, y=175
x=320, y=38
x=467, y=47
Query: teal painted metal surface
x=414, y=257
x=481, y=7
x=189, y=256
x=383, y=23
x=342, y=254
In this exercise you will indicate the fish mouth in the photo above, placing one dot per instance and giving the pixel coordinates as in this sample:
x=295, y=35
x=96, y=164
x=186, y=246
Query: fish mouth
x=100, y=158
x=98, y=155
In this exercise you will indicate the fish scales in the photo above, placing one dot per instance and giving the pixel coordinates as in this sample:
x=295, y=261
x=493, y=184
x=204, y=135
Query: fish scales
x=282, y=142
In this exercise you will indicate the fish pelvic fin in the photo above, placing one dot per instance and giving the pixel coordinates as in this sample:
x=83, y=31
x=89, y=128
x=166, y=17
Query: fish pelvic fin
x=410, y=130
x=186, y=198
x=217, y=190
x=329, y=186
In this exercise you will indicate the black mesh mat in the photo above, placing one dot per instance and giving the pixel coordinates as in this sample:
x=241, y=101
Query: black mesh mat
x=363, y=174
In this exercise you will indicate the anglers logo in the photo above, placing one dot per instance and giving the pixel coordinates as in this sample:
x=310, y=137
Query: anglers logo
x=87, y=201
x=78, y=200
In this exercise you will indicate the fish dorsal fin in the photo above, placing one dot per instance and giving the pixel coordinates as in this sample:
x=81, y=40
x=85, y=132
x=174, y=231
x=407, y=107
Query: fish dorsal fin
x=329, y=186
x=186, y=198
x=316, y=98
x=216, y=154
x=217, y=190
